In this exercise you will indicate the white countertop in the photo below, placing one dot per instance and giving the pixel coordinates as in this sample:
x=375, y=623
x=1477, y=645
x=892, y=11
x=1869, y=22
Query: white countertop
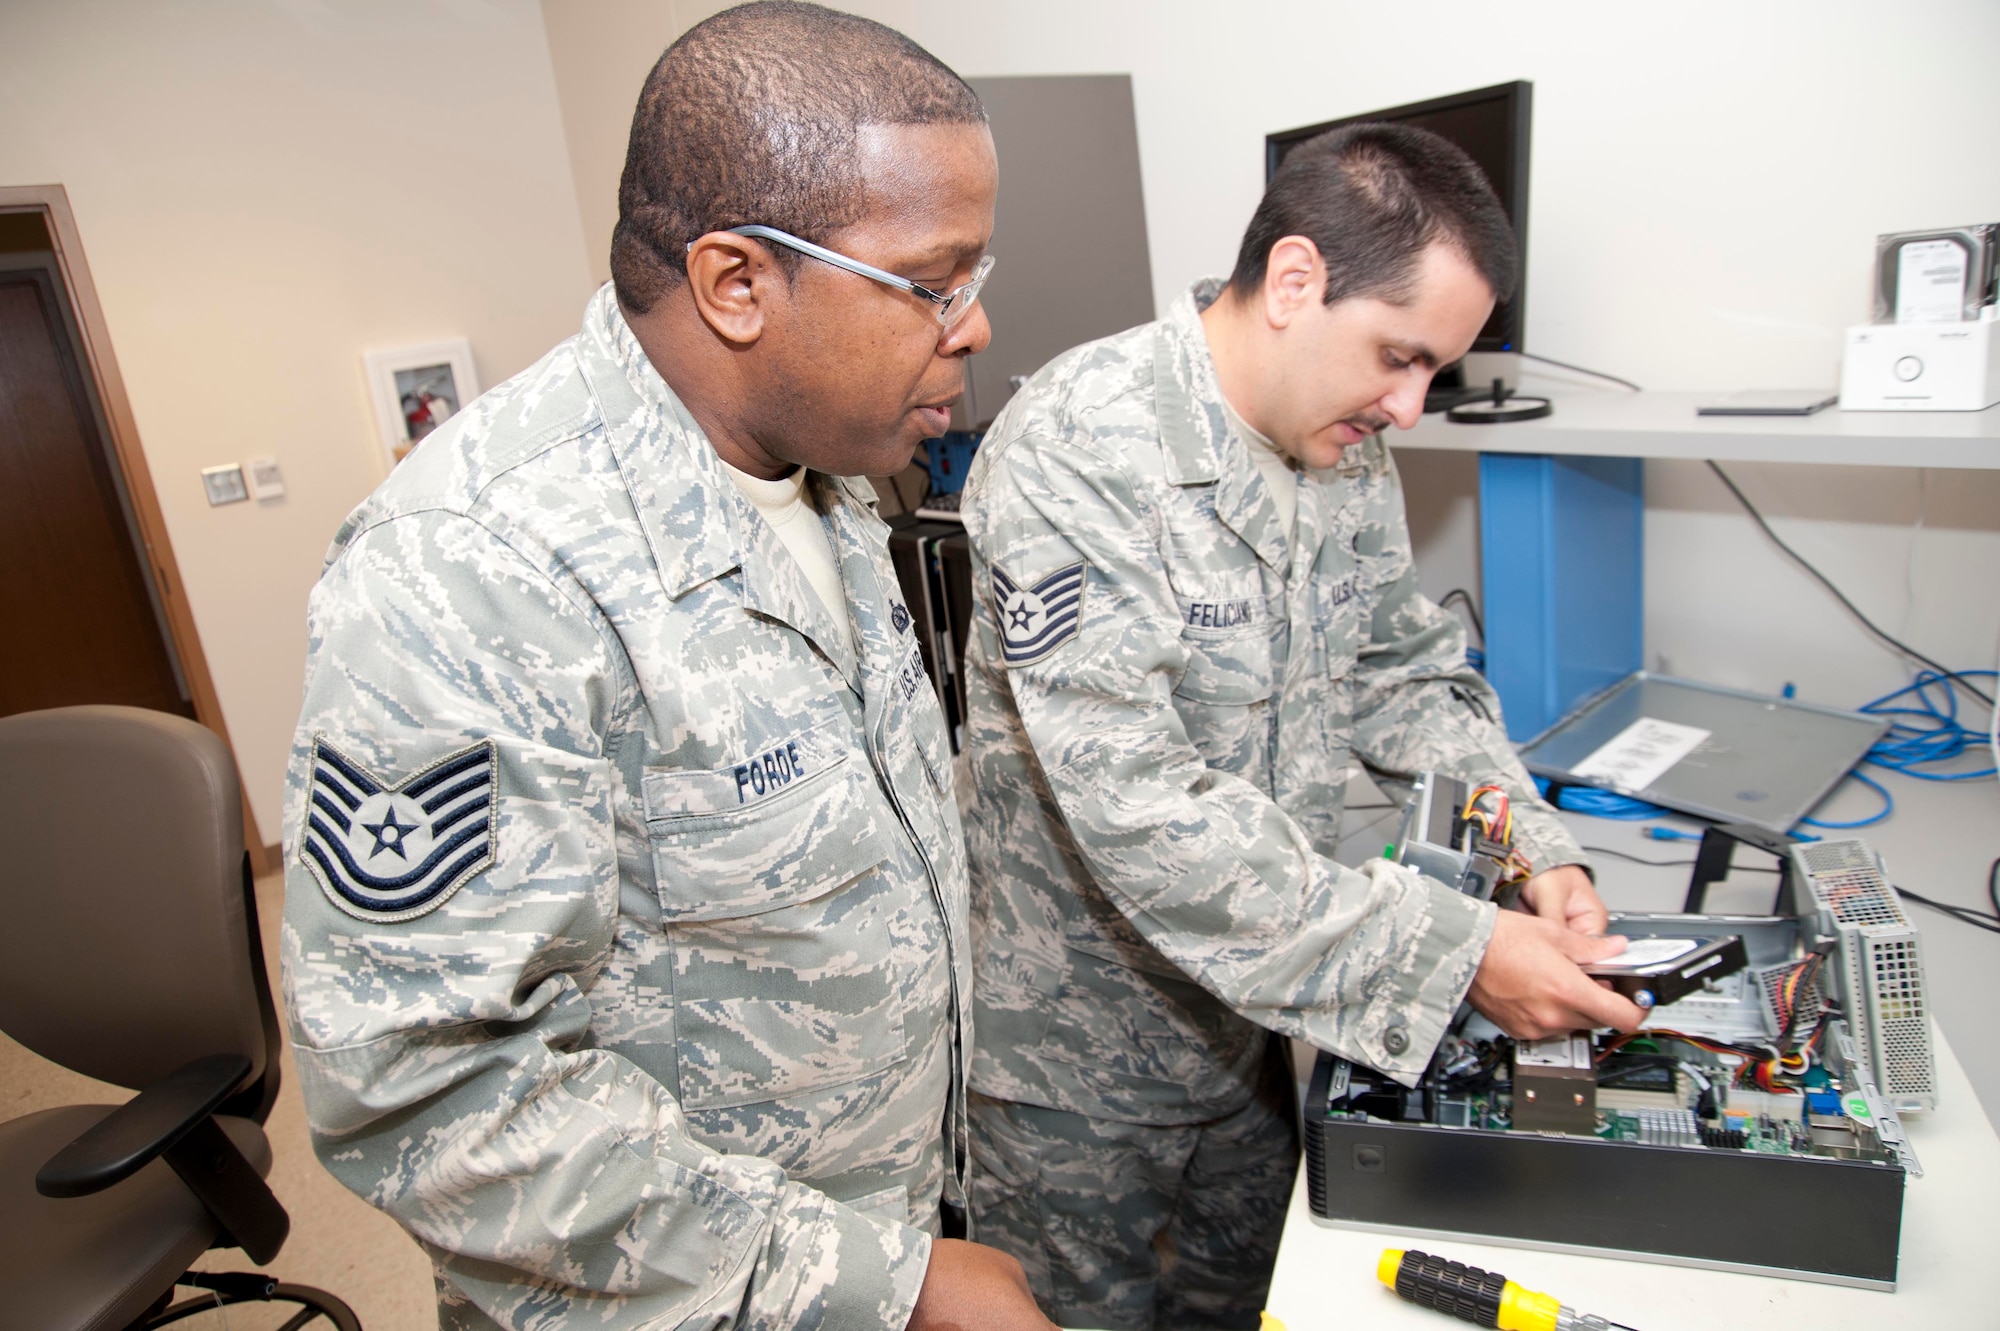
x=1664, y=425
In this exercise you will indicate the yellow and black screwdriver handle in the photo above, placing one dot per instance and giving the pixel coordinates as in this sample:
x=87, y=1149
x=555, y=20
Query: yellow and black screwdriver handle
x=1484, y=1298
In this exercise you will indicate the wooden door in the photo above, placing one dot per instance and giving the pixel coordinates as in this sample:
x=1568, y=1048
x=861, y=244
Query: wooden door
x=109, y=490
x=81, y=625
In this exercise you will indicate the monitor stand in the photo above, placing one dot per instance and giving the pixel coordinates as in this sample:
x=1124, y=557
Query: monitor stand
x=1472, y=377
x=1448, y=389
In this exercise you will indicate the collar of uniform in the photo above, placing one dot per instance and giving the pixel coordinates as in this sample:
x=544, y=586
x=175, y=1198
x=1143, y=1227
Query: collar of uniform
x=698, y=525
x=1199, y=446
x=858, y=488
x=677, y=484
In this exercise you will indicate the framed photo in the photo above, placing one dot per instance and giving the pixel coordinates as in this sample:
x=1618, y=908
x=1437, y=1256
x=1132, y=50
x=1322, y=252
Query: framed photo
x=416, y=389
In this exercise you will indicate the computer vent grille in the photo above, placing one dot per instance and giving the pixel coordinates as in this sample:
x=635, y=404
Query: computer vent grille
x=1837, y=856
x=1848, y=883
x=1904, y=1026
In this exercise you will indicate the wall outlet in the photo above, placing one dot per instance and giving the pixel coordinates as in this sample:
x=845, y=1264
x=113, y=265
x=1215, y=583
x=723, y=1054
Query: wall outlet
x=266, y=481
x=224, y=484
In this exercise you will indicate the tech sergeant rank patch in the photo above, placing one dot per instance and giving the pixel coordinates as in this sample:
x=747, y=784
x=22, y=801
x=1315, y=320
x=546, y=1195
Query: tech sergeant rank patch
x=385, y=853
x=1034, y=621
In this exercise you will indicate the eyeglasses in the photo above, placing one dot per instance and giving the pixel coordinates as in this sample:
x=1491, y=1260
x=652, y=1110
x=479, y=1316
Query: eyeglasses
x=951, y=305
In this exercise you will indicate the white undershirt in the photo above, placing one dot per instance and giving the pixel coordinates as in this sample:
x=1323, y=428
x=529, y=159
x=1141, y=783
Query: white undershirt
x=1280, y=477
x=783, y=504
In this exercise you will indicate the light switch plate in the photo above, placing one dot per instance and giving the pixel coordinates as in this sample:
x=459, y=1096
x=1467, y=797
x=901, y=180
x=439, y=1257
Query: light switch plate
x=266, y=481
x=224, y=484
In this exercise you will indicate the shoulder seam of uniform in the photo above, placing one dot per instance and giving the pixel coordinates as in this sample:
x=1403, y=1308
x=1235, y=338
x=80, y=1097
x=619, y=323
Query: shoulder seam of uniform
x=554, y=437
x=538, y=443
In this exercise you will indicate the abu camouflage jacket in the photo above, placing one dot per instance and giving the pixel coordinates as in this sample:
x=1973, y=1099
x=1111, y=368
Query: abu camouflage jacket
x=1165, y=693
x=625, y=900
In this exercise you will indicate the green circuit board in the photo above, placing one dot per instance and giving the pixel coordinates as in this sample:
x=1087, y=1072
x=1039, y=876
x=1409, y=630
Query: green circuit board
x=1757, y=1133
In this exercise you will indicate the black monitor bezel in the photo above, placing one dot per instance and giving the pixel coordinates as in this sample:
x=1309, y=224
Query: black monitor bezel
x=1519, y=97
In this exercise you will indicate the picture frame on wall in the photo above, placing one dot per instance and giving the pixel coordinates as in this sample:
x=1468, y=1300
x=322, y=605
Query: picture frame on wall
x=416, y=389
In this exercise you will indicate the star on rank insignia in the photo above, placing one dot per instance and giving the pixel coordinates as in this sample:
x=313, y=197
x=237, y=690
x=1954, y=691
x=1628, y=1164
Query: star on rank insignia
x=1037, y=619
x=899, y=616
x=386, y=852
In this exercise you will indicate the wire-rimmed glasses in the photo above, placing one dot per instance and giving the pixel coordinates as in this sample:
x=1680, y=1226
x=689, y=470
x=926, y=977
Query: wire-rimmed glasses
x=952, y=305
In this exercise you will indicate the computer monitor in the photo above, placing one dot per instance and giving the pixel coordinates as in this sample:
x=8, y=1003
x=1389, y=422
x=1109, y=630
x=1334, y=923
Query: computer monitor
x=1491, y=124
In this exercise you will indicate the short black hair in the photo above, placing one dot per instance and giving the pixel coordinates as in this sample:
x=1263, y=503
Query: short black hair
x=1373, y=198
x=752, y=116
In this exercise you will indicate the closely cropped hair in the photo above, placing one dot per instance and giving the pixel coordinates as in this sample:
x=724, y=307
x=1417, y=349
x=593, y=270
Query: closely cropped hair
x=1373, y=197
x=753, y=117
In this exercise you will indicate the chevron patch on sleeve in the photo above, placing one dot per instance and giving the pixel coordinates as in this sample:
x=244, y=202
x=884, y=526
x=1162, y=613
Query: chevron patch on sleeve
x=393, y=852
x=1035, y=620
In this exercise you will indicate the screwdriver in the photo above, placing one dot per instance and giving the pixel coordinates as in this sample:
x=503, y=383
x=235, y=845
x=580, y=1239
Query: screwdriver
x=1484, y=1298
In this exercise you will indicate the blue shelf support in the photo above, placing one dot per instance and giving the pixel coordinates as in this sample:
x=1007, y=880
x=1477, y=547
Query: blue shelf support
x=1562, y=555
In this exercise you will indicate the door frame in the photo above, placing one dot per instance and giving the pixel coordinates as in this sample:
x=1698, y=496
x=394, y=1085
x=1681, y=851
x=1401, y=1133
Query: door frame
x=52, y=202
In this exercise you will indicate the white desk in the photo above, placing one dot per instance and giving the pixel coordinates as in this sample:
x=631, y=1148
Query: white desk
x=1951, y=1218
x=1664, y=425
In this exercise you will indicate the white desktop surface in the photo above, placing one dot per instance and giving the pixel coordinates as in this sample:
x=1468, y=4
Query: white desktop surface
x=1664, y=425
x=1325, y=1276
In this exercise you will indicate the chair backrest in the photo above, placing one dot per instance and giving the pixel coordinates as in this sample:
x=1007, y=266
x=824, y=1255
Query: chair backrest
x=125, y=891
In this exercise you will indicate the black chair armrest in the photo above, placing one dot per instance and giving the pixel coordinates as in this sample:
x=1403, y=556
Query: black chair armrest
x=124, y=1141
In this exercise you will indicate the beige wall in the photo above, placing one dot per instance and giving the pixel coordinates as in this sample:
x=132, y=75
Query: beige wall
x=1707, y=180
x=266, y=190
x=602, y=51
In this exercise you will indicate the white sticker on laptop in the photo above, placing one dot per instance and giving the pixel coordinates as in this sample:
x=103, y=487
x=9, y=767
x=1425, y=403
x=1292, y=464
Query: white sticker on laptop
x=1639, y=755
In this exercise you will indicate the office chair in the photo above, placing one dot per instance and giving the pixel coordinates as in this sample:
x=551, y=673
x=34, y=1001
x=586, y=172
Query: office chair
x=134, y=958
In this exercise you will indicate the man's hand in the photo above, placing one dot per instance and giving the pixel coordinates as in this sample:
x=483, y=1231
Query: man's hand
x=971, y=1287
x=1529, y=985
x=1566, y=895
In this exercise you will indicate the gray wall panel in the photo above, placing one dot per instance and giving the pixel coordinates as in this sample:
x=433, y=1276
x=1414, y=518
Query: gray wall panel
x=1069, y=231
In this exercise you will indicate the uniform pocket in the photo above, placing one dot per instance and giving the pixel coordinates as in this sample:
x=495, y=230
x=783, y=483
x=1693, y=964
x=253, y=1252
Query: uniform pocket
x=1226, y=626
x=1337, y=602
x=1224, y=696
x=803, y=827
x=787, y=975
x=1227, y=669
x=913, y=717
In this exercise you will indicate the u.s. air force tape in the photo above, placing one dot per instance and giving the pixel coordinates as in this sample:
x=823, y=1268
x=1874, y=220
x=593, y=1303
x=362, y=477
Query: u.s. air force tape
x=1037, y=619
x=390, y=852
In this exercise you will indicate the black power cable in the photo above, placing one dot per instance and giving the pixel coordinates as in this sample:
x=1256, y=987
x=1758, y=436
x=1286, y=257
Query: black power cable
x=1464, y=598
x=1840, y=596
x=1565, y=365
x=1669, y=864
x=1963, y=914
x=1966, y=914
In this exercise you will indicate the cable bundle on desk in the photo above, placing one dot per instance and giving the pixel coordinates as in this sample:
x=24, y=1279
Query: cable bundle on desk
x=1922, y=732
x=1934, y=735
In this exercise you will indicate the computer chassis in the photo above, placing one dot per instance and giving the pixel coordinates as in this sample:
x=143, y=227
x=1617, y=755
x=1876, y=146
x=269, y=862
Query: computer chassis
x=1648, y=1146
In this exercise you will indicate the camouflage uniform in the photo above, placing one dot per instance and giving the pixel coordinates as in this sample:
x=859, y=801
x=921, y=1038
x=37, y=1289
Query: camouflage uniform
x=1165, y=691
x=626, y=910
